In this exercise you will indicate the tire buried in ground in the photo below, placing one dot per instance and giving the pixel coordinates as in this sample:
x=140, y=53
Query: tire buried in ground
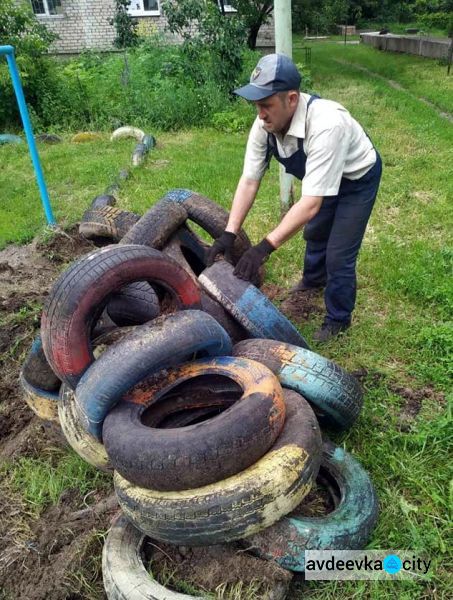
x=241, y=505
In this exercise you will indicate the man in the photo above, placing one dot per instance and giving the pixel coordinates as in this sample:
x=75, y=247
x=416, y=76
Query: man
x=320, y=143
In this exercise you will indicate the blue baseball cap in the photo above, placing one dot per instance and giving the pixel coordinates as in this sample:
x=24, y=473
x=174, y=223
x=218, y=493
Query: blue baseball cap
x=273, y=73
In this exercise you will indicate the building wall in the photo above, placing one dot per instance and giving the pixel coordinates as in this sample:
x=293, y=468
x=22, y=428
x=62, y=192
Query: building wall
x=429, y=47
x=85, y=25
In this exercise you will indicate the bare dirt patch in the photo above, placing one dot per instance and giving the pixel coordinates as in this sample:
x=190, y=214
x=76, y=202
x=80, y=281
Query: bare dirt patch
x=299, y=306
x=57, y=555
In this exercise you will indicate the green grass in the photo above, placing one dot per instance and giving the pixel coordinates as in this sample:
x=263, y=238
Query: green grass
x=402, y=333
x=42, y=480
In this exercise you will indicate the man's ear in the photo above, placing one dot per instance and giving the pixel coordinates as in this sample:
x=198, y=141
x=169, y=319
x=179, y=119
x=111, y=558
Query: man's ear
x=293, y=98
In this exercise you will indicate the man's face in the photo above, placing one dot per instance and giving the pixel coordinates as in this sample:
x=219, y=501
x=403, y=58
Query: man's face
x=277, y=111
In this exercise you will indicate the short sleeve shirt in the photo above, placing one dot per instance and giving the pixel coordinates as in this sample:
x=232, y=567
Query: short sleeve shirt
x=335, y=144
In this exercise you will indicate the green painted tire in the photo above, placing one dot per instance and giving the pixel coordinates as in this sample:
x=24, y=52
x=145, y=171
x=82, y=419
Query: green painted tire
x=348, y=527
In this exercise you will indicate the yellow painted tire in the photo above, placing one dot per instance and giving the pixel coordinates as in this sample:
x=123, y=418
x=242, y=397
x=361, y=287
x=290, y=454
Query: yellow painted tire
x=42, y=402
x=86, y=446
x=85, y=136
x=241, y=505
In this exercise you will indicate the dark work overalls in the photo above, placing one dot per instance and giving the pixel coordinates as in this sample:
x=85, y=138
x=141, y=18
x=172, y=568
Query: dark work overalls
x=335, y=234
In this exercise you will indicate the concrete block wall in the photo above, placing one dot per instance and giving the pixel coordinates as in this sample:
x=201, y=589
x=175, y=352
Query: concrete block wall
x=428, y=47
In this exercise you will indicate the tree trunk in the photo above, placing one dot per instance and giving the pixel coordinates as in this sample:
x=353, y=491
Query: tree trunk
x=252, y=35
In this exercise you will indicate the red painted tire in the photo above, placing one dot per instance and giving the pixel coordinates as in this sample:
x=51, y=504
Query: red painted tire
x=200, y=454
x=81, y=292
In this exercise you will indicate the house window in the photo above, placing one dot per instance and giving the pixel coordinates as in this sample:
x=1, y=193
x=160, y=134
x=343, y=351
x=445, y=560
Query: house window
x=144, y=8
x=46, y=7
x=226, y=7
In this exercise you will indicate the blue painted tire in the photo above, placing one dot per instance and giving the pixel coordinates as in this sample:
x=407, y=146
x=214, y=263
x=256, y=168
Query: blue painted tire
x=254, y=311
x=165, y=342
x=335, y=394
x=348, y=527
x=9, y=138
x=36, y=370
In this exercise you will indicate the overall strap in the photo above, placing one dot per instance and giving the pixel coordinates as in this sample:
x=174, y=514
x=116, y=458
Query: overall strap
x=271, y=148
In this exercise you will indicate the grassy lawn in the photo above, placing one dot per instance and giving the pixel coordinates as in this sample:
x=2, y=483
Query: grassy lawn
x=402, y=336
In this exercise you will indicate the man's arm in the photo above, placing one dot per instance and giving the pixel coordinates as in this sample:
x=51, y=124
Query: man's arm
x=243, y=200
x=298, y=215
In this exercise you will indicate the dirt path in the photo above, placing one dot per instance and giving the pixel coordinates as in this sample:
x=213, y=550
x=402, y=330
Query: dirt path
x=397, y=86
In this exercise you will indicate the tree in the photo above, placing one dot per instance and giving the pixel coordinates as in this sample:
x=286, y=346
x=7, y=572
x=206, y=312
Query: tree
x=125, y=27
x=254, y=14
x=20, y=28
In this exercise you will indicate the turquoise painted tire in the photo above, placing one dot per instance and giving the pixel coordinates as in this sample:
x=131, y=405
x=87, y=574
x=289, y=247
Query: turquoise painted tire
x=164, y=342
x=348, y=527
x=9, y=138
x=335, y=394
x=250, y=307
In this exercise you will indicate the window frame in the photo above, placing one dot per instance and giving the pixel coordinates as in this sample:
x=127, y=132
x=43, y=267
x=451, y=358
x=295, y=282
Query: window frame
x=46, y=12
x=229, y=8
x=141, y=12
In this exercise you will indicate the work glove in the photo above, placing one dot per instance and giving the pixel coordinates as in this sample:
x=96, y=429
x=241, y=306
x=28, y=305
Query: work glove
x=250, y=262
x=222, y=245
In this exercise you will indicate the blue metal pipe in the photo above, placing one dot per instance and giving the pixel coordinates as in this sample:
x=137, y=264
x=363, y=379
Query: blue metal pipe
x=15, y=77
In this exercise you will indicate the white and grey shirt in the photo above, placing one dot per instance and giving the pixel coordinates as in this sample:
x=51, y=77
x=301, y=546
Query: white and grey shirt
x=335, y=144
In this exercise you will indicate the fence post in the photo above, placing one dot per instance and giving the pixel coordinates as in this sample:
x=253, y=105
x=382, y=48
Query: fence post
x=8, y=51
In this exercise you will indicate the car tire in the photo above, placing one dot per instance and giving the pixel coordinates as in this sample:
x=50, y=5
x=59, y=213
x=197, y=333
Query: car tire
x=200, y=454
x=163, y=343
x=335, y=394
x=79, y=295
x=348, y=527
x=250, y=307
x=42, y=402
x=241, y=505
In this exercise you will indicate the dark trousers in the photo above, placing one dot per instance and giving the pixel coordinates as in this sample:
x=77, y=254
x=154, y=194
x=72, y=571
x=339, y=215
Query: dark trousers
x=334, y=237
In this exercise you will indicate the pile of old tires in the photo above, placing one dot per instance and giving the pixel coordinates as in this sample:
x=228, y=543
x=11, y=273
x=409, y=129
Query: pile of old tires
x=198, y=393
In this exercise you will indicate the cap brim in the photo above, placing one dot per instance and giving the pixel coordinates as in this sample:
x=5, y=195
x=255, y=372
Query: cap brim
x=254, y=92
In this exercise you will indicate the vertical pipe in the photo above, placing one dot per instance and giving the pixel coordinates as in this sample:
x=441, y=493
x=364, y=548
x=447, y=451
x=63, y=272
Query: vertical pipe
x=17, y=85
x=284, y=45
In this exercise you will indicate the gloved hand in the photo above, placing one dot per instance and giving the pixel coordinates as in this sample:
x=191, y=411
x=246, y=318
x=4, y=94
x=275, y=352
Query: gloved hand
x=250, y=262
x=222, y=245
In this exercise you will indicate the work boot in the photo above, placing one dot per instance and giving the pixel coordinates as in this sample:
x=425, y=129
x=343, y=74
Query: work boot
x=329, y=330
x=303, y=287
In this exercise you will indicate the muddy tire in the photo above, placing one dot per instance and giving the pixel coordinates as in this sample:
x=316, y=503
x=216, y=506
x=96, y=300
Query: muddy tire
x=163, y=343
x=209, y=216
x=348, y=527
x=203, y=453
x=250, y=307
x=157, y=225
x=227, y=321
x=134, y=304
x=106, y=223
x=241, y=505
x=84, y=444
x=188, y=250
x=42, y=402
x=78, y=297
x=102, y=201
x=335, y=394
x=124, y=574
x=37, y=372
